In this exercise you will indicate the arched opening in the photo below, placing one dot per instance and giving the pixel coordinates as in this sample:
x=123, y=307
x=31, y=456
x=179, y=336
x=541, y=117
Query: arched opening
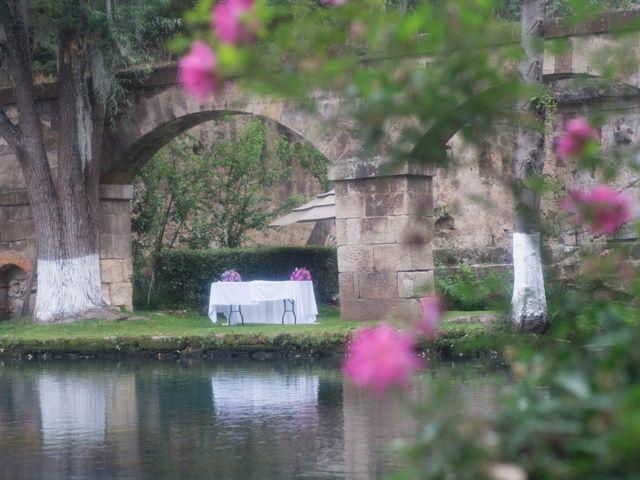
x=297, y=175
x=13, y=288
x=219, y=184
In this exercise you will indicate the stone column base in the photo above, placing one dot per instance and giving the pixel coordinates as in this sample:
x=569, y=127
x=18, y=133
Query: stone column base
x=116, y=263
x=384, y=226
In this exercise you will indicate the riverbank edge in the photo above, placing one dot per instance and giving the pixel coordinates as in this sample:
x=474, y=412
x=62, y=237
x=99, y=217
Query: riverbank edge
x=460, y=340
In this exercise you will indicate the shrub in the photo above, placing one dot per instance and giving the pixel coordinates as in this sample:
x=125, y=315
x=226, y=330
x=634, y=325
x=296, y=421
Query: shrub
x=184, y=277
x=462, y=288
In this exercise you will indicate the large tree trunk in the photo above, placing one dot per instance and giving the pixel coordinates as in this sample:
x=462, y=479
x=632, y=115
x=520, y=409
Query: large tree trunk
x=529, y=305
x=64, y=212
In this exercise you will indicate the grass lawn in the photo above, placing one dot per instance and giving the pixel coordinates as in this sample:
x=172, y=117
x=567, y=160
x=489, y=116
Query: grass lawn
x=181, y=324
x=176, y=331
x=164, y=324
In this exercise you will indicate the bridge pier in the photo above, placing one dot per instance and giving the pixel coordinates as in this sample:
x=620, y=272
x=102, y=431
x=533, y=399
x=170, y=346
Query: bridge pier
x=116, y=263
x=383, y=230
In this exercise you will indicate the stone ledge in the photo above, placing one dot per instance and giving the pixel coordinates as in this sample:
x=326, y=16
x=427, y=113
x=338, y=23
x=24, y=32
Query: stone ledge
x=355, y=168
x=379, y=309
x=107, y=192
x=604, y=23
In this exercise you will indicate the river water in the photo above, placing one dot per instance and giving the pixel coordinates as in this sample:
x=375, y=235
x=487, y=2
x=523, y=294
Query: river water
x=218, y=419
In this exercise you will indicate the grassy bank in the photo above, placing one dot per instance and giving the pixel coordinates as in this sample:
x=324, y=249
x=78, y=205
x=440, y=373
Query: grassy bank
x=180, y=333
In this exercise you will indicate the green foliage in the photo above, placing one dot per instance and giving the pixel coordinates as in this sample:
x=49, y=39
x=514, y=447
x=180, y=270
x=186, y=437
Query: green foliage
x=572, y=412
x=184, y=277
x=572, y=415
x=462, y=289
x=235, y=179
x=127, y=37
x=168, y=192
x=214, y=195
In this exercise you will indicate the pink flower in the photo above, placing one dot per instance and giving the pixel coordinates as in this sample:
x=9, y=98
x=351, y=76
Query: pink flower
x=197, y=72
x=431, y=310
x=300, y=274
x=334, y=3
x=604, y=209
x=230, y=276
x=381, y=357
x=577, y=134
x=233, y=23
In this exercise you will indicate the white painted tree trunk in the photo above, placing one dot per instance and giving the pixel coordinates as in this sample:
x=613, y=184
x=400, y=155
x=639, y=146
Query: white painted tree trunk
x=528, y=303
x=66, y=211
x=69, y=289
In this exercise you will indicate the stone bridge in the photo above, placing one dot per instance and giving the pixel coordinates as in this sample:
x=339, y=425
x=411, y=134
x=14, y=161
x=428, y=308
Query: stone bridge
x=380, y=260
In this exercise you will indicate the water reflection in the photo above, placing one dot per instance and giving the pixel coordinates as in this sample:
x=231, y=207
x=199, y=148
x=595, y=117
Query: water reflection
x=72, y=411
x=225, y=419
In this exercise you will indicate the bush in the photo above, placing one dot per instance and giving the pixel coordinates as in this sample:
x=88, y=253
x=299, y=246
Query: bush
x=184, y=277
x=462, y=289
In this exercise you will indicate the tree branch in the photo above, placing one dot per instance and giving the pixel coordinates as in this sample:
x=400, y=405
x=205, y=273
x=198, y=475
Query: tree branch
x=8, y=130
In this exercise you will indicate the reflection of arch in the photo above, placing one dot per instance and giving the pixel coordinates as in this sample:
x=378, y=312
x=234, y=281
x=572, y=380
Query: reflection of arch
x=158, y=118
x=13, y=285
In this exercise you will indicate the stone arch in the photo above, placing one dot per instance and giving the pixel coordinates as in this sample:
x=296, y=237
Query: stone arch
x=568, y=88
x=164, y=113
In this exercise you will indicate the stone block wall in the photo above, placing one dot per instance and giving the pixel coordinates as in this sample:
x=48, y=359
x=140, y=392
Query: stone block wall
x=383, y=230
x=18, y=246
x=116, y=263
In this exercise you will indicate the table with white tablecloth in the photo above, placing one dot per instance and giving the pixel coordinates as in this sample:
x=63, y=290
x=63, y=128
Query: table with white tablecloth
x=263, y=301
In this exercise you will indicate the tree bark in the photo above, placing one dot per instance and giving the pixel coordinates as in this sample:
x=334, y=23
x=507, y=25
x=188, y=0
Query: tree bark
x=64, y=211
x=529, y=305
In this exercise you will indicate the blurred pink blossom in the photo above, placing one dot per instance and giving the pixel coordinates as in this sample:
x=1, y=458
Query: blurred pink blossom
x=334, y=3
x=381, y=357
x=431, y=310
x=233, y=23
x=197, y=72
x=577, y=133
x=602, y=208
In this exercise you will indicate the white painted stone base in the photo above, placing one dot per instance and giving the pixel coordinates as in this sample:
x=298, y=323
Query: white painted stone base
x=529, y=304
x=68, y=288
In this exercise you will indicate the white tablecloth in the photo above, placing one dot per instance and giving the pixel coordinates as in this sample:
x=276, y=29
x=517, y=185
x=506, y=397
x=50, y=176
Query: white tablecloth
x=262, y=301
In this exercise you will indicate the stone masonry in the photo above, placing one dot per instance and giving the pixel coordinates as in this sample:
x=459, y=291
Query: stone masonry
x=383, y=236
x=17, y=242
x=116, y=264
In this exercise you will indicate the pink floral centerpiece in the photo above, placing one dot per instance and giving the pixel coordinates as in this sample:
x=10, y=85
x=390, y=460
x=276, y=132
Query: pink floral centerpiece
x=300, y=274
x=230, y=276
